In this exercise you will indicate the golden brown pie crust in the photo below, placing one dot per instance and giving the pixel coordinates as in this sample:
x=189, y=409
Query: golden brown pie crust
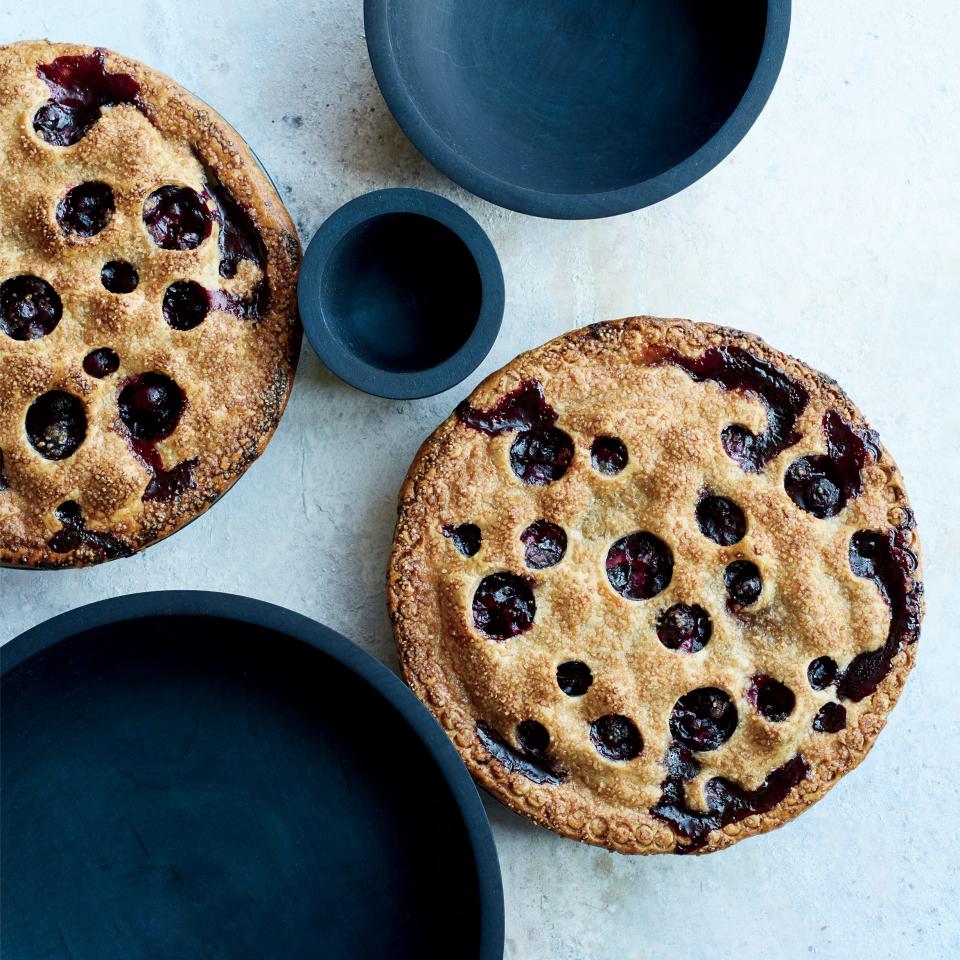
x=236, y=373
x=601, y=381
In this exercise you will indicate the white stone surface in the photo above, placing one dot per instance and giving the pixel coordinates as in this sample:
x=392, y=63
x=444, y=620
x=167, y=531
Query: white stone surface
x=833, y=231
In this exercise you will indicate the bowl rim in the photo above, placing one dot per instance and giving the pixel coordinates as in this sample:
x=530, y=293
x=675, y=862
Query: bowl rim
x=319, y=325
x=330, y=643
x=573, y=206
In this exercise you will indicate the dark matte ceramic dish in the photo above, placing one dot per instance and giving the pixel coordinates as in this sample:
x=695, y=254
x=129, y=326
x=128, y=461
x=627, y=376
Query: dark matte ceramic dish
x=576, y=109
x=197, y=775
x=401, y=293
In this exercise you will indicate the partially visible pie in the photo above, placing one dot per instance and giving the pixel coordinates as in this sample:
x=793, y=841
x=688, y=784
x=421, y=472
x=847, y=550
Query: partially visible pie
x=660, y=584
x=148, y=324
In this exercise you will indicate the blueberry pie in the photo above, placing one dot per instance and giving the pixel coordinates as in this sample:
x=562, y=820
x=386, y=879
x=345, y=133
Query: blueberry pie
x=148, y=328
x=660, y=584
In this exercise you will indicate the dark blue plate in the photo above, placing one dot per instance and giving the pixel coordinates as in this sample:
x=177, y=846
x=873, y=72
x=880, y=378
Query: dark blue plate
x=207, y=777
x=576, y=108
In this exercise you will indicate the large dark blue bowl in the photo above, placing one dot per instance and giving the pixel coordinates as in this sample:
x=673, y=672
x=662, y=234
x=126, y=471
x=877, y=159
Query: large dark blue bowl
x=207, y=777
x=576, y=108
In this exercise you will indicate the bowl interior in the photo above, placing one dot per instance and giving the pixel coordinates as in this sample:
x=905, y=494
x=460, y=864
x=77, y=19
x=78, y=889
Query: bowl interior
x=579, y=96
x=401, y=291
x=226, y=791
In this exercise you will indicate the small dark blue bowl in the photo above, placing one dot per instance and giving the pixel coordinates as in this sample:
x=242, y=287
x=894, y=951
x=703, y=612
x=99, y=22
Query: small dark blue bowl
x=401, y=293
x=576, y=109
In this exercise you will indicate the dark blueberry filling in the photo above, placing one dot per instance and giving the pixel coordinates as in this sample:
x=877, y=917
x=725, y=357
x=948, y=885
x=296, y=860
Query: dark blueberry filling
x=165, y=484
x=703, y=719
x=533, y=737
x=574, y=678
x=539, y=457
x=503, y=606
x=243, y=308
x=684, y=627
x=86, y=209
x=608, y=455
x=727, y=802
x=616, y=737
x=887, y=560
x=544, y=544
x=239, y=240
x=150, y=406
x=465, y=537
x=74, y=533
x=29, y=307
x=773, y=700
x=743, y=582
x=639, y=566
x=56, y=424
x=822, y=673
x=185, y=304
x=176, y=218
x=830, y=718
x=681, y=763
x=79, y=87
x=101, y=363
x=525, y=408
x=4, y=483
x=118, y=276
x=721, y=520
x=785, y=399
x=536, y=768
x=822, y=485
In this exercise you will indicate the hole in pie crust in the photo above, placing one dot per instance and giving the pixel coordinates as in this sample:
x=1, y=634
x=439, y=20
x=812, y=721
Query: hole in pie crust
x=533, y=737
x=539, y=457
x=830, y=718
x=608, y=455
x=503, y=606
x=743, y=582
x=150, y=406
x=176, y=218
x=721, y=520
x=101, y=363
x=773, y=700
x=822, y=673
x=684, y=627
x=639, y=566
x=574, y=678
x=703, y=719
x=185, y=305
x=466, y=537
x=86, y=209
x=544, y=544
x=118, y=276
x=56, y=424
x=29, y=307
x=616, y=737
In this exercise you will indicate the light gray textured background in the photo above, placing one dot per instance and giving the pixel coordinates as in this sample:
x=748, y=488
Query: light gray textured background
x=833, y=231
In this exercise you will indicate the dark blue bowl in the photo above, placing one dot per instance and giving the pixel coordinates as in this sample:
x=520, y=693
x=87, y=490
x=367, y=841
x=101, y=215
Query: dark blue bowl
x=401, y=293
x=197, y=775
x=576, y=109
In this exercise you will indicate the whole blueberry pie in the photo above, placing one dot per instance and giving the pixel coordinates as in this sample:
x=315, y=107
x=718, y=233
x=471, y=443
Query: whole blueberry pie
x=660, y=584
x=148, y=328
